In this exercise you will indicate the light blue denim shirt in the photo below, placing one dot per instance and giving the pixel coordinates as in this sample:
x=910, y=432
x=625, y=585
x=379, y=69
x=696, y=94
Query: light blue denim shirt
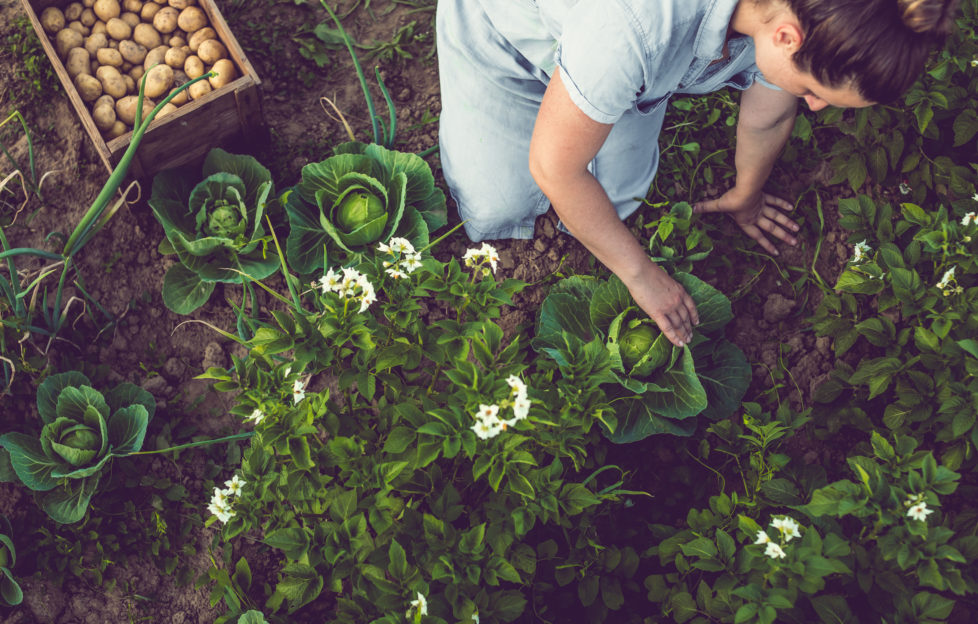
x=619, y=55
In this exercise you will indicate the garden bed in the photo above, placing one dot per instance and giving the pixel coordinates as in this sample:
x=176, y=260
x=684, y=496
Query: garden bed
x=156, y=557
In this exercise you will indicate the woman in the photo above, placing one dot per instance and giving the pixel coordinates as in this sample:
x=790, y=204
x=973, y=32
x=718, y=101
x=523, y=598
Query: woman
x=560, y=102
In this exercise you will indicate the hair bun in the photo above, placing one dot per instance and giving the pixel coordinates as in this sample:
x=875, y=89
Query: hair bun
x=928, y=16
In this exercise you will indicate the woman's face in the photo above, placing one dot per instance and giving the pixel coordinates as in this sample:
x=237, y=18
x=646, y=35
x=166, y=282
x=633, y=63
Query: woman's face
x=773, y=49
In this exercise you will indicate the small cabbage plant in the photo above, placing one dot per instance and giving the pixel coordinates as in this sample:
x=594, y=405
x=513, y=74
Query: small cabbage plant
x=83, y=431
x=361, y=196
x=10, y=592
x=214, y=225
x=654, y=386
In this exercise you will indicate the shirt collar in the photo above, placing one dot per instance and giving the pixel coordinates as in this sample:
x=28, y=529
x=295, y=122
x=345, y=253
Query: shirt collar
x=713, y=29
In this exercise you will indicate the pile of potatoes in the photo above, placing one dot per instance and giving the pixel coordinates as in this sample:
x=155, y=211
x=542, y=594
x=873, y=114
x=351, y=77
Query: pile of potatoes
x=107, y=46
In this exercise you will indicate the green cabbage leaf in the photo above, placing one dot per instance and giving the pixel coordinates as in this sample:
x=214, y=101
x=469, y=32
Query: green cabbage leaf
x=83, y=430
x=360, y=196
x=655, y=386
x=214, y=225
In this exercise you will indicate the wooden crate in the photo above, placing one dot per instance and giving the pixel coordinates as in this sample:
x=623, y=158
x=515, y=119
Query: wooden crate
x=186, y=135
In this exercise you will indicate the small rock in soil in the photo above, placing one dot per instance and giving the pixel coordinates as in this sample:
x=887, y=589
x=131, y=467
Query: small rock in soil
x=539, y=245
x=777, y=308
x=506, y=259
x=823, y=344
x=548, y=228
x=156, y=385
x=213, y=356
x=173, y=368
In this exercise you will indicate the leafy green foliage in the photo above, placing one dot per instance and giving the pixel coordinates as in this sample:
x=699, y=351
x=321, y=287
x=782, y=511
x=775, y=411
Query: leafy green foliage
x=83, y=431
x=215, y=226
x=395, y=192
x=656, y=387
x=10, y=592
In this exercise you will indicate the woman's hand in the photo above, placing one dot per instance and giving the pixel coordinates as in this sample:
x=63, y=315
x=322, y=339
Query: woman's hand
x=667, y=302
x=756, y=214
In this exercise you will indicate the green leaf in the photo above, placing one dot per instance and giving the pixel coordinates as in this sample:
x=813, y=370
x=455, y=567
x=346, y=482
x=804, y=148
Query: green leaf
x=300, y=584
x=702, y=547
x=50, y=389
x=397, y=561
x=29, y=462
x=611, y=594
x=126, y=394
x=292, y=541
x=881, y=447
x=184, y=291
x=68, y=503
x=931, y=606
x=833, y=609
x=587, y=589
x=683, y=607
x=301, y=454
x=127, y=429
x=252, y=617
x=242, y=574
x=781, y=492
x=9, y=589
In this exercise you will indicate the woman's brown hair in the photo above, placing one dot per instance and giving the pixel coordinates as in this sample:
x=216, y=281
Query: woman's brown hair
x=878, y=47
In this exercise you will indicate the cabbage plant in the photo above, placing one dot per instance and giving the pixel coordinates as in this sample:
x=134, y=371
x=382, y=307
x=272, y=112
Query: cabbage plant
x=654, y=386
x=361, y=196
x=214, y=225
x=83, y=431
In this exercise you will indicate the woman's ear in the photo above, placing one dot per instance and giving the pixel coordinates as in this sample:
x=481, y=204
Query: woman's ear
x=788, y=36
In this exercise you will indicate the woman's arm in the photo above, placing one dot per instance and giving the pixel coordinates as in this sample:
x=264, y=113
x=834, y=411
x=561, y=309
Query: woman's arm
x=766, y=119
x=564, y=141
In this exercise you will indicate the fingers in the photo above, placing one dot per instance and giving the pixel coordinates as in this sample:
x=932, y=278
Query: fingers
x=710, y=205
x=677, y=324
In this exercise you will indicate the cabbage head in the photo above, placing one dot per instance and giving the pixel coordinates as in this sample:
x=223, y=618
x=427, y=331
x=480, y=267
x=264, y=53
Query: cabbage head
x=655, y=387
x=83, y=431
x=361, y=196
x=214, y=222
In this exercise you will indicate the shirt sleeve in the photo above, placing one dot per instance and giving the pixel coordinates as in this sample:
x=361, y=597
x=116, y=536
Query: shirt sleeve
x=603, y=57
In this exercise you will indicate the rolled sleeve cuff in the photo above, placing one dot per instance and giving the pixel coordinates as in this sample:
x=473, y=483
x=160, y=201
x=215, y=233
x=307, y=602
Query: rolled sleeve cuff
x=580, y=100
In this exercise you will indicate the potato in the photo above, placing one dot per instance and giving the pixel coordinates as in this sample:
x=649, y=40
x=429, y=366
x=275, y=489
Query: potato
x=87, y=17
x=112, y=82
x=118, y=29
x=95, y=42
x=180, y=98
x=165, y=20
x=132, y=51
x=146, y=35
x=200, y=37
x=130, y=83
x=53, y=20
x=168, y=108
x=104, y=113
x=133, y=6
x=72, y=12
x=117, y=130
x=67, y=39
x=225, y=71
x=126, y=65
x=137, y=72
x=130, y=18
x=88, y=3
x=125, y=108
x=89, y=88
x=211, y=51
x=155, y=57
x=113, y=43
x=193, y=67
x=159, y=80
x=107, y=9
x=109, y=57
x=150, y=9
x=181, y=4
x=175, y=58
x=78, y=62
x=192, y=19
x=80, y=28
x=99, y=27
x=177, y=42
x=199, y=89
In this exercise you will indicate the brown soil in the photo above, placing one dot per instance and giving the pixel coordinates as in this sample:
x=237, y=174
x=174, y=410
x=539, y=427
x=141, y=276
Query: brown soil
x=152, y=347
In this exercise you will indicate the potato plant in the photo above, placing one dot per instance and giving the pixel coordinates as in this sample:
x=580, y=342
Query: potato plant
x=109, y=46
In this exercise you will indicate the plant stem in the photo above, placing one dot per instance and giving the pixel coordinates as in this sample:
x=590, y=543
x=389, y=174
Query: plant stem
x=237, y=436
